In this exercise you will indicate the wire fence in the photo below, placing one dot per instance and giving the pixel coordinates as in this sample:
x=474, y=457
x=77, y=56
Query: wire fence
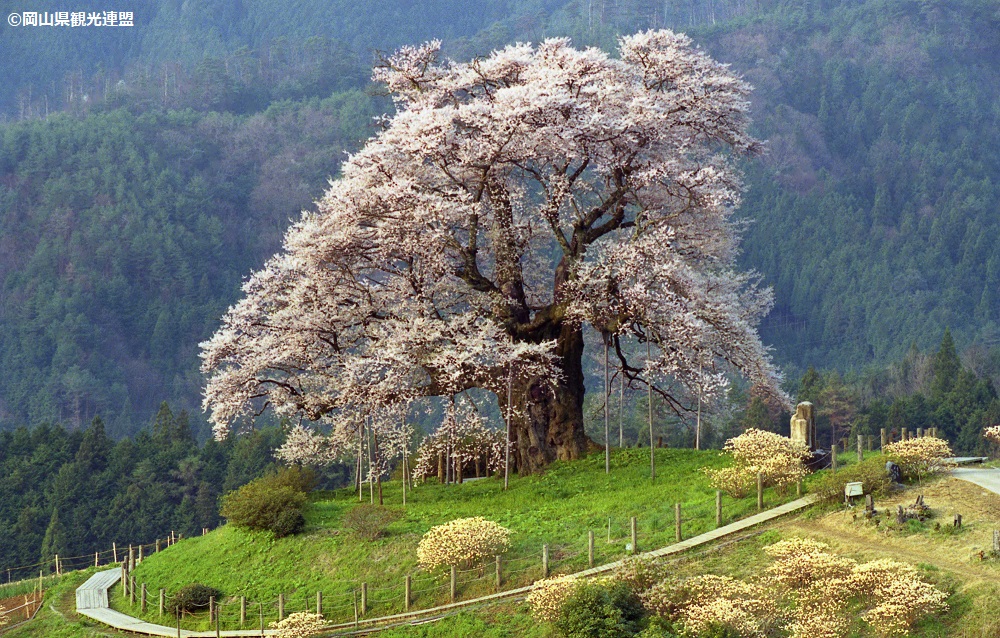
x=347, y=601
x=17, y=581
x=19, y=609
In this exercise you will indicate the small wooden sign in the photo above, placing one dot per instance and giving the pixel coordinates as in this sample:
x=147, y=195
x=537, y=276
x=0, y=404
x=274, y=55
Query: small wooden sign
x=853, y=489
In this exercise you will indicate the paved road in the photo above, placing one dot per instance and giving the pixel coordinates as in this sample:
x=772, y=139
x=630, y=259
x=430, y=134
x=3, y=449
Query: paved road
x=983, y=477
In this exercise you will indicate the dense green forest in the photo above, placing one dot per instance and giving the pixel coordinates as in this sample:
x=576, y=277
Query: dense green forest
x=145, y=172
x=76, y=492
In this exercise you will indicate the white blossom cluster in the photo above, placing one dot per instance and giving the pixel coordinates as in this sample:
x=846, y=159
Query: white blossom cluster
x=461, y=438
x=464, y=541
x=920, y=456
x=300, y=624
x=547, y=596
x=508, y=197
x=778, y=458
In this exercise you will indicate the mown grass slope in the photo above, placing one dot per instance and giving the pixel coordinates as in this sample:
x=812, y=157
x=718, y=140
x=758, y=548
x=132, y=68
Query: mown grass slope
x=556, y=508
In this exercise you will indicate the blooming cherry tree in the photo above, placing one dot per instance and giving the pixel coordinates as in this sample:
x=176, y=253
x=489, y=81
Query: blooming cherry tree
x=510, y=201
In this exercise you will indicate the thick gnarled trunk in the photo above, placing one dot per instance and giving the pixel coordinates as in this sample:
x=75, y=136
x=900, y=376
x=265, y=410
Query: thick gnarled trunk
x=548, y=424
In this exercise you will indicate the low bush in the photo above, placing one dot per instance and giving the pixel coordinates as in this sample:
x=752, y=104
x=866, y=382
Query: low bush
x=547, y=596
x=780, y=461
x=871, y=473
x=301, y=624
x=194, y=598
x=271, y=503
x=601, y=609
x=920, y=456
x=369, y=521
x=462, y=542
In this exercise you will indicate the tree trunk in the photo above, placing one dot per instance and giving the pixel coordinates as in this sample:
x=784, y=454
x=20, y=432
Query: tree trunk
x=548, y=423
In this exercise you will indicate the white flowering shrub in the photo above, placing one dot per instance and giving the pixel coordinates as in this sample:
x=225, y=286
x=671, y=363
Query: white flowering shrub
x=547, y=596
x=465, y=541
x=918, y=457
x=780, y=460
x=992, y=433
x=299, y=625
x=704, y=602
x=824, y=587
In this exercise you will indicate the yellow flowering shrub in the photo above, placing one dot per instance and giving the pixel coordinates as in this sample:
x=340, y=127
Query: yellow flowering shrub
x=823, y=586
x=779, y=459
x=299, y=625
x=464, y=541
x=992, y=433
x=640, y=572
x=704, y=601
x=547, y=596
x=920, y=456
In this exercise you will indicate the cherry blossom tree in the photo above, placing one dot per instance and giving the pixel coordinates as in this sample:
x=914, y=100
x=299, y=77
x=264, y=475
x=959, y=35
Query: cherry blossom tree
x=511, y=201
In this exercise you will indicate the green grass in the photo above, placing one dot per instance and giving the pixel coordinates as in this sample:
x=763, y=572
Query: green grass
x=556, y=508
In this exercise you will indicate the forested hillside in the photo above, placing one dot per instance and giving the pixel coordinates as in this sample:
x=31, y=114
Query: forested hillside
x=145, y=172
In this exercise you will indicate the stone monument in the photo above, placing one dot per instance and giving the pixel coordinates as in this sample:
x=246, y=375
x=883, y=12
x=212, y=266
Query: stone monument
x=803, y=424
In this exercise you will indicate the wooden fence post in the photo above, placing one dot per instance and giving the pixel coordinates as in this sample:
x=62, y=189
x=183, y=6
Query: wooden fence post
x=57, y=565
x=677, y=522
x=760, y=488
x=218, y=621
x=281, y=607
x=260, y=606
x=499, y=573
x=454, y=583
x=243, y=611
x=903, y=436
x=882, y=439
x=920, y=433
x=163, y=599
x=364, y=598
x=407, y=584
x=861, y=447
x=131, y=588
x=114, y=552
x=97, y=557
x=635, y=535
x=996, y=541
x=211, y=609
x=833, y=460
x=131, y=558
x=177, y=614
x=590, y=548
x=157, y=546
x=355, y=613
x=142, y=598
x=545, y=561
x=319, y=603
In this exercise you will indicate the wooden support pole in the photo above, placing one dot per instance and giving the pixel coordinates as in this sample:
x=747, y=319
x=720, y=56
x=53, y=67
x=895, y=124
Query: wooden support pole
x=499, y=573
x=920, y=433
x=635, y=535
x=364, y=598
x=131, y=558
x=177, y=614
x=260, y=606
x=861, y=447
x=760, y=488
x=57, y=565
x=157, y=546
x=124, y=579
x=355, y=612
x=281, y=607
x=142, y=598
x=718, y=508
x=218, y=622
x=996, y=541
x=677, y=521
x=114, y=552
x=833, y=460
x=882, y=439
x=545, y=561
x=131, y=588
x=407, y=585
x=453, y=590
x=590, y=548
x=163, y=600
x=904, y=435
x=319, y=603
x=243, y=611
x=97, y=557
x=870, y=442
x=211, y=608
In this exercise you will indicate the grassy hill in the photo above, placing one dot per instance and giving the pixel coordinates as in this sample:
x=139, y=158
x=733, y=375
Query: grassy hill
x=557, y=509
